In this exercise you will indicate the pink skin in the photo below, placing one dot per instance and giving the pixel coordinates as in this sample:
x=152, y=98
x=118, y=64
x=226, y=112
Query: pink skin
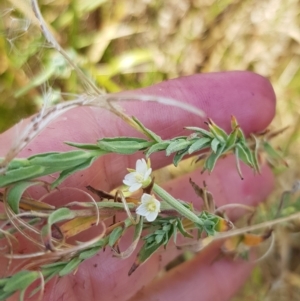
x=247, y=96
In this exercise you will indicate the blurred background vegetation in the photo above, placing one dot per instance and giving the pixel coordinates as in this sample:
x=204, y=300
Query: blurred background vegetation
x=125, y=44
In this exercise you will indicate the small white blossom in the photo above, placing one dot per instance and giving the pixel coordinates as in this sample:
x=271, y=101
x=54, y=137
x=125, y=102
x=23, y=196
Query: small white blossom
x=150, y=207
x=140, y=177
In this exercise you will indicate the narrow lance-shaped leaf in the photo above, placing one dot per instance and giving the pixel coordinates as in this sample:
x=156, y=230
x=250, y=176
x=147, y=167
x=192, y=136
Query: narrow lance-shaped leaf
x=182, y=230
x=245, y=154
x=58, y=215
x=219, y=133
x=15, y=193
x=68, y=172
x=210, y=162
x=61, y=160
x=144, y=254
x=231, y=140
x=177, y=145
x=233, y=122
x=214, y=145
x=272, y=152
x=5, y=295
x=85, y=146
x=16, y=175
x=157, y=147
x=237, y=160
x=147, y=132
x=48, y=269
x=70, y=266
x=179, y=155
x=93, y=250
x=20, y=281
x=17, y=163
x=124, y=145
x=255, y=154
x=115, y=235
x=48, y=274
x=201, y=131
x=199, y=144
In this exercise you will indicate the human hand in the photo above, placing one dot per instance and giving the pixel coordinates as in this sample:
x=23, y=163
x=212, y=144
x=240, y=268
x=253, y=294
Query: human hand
x=250, y=99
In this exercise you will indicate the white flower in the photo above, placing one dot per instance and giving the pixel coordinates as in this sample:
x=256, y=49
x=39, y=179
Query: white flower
x=140, y=177
x=149, y=208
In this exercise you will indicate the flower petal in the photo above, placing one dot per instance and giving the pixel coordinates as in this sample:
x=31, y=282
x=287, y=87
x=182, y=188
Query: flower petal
x=146, y=198
x=142, y=210
x=135, y=187
x=151, y=216
x=147, y=174
x=130, y=175
x=141, y=166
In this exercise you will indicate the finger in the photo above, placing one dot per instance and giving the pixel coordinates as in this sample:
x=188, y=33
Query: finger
x=245, y=95
x=202, y=278
x=100, y=276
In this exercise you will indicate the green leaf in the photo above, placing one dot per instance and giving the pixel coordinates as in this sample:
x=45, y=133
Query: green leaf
x=166, y=227
x=84, y=146
x=241, y=135
x=20, y=281
x=5, y=295
x=182, y=230
x=16, y=175
x=58, y=215
x=214, y=145
x=66, y=173
x=179, y=155
x=147, y=132
x=219, y=133
x=89, y=253
x=199, y=144
x=159, y=232
x=70, y=266
x=255, y=154
x=61, y=160
x=203, y=132
x=231, y=140
x=114, y=236
x=177, y=145
x=15, y=193
x=271, y=151
x=210, y=162
x=94, y=250
x=157, y=147
x=123, y=145
x=48, y=274
x=145, y=253
x=159, y=238
x=245, y=154
x=51, y=268
x=18, y=163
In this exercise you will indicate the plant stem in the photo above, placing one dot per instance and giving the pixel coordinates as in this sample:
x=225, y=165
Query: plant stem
x=176, y=204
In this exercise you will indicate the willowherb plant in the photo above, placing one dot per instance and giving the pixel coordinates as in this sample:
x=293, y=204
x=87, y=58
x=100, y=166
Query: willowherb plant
x=153, y=209
x=156, y=216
